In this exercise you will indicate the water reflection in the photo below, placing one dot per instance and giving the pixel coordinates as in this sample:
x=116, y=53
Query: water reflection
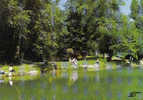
x=43, y=85
x=130, y=69
x=140, y=81
x=53, y=86
x=74, y=76
x=85, y=91
x=119, y=80
x=119, y=95
x=54, y=73
x=109, y=67
x=129, y=79
x=97, y=92
x=109, y=95
x=32, y=85
x=140, y=67
x=97, y=77
x=54, y=97
x=64, y=74
x=119, y=68
x=65, y=88
x=109, y=80
x=10, y=81
x=22, y=96
x=43, y=98
x=140, y=97
x=33, y=98
x=75, y=88
x=75, y=84
x=85, y=77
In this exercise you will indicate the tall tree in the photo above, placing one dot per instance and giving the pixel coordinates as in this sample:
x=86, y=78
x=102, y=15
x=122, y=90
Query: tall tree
x=13, y=27
x=34, y=7
x=134, y=9
x=18, y=25
x=90, y=22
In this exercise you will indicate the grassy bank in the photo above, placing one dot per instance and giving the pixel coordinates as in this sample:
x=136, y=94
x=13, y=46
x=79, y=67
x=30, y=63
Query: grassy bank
x=21, y=72
x=32, y=71
x=103, y=64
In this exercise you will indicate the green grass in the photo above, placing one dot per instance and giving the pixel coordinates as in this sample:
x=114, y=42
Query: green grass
x=28, y=67
x=17, y=73
x=89, y=62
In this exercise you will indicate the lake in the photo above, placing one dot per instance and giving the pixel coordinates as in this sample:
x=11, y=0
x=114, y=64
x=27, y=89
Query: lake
x=77, y=85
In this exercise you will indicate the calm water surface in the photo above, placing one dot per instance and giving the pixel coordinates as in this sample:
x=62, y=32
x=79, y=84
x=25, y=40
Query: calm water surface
x=77, y=85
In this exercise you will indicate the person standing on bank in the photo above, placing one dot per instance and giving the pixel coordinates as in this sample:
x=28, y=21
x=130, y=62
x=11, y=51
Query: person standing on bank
x=74, y=62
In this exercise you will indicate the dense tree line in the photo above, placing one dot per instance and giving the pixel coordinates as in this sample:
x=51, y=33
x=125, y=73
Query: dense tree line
x=38, y=30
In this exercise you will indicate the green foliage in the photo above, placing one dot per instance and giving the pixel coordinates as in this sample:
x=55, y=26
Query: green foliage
x=40, y=30
x=134, y=9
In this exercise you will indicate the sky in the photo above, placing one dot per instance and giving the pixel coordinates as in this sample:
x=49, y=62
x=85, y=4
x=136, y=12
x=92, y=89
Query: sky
x=62, y=2
x=124, y=9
